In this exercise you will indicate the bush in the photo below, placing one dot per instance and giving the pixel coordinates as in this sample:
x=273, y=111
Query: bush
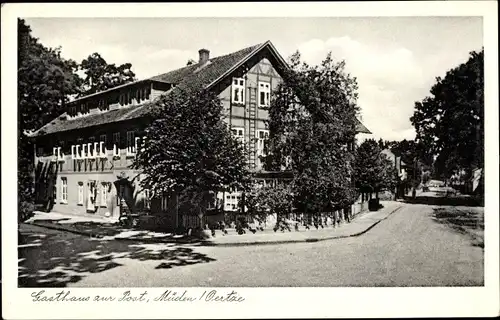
x=25, y=211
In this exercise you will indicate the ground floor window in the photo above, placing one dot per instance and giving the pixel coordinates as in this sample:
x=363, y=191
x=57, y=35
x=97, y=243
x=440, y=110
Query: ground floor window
x=232, y=200
x=64, y=190
x=104, y=194
x=80, y=193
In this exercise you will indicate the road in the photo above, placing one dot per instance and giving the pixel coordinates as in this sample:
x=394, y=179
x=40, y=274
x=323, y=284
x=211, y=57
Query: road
x=407, y=249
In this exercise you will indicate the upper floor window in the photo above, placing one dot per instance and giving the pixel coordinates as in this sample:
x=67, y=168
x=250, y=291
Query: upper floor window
x=84, y=108
x=238, y=90
x=39, y=151
x=239, y=134
x=103, y=104
x=72, y=111
x=264, y=94
x=132, y=142
x=116, y=144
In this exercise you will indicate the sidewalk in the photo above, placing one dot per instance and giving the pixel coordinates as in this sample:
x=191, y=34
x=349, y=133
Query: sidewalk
x=107, y=229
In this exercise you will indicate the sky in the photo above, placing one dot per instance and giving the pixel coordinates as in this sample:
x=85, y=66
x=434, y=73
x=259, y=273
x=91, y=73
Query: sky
x=394, y=59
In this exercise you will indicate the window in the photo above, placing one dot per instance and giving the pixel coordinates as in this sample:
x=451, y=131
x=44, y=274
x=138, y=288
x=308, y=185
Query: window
x=116, y=144
x=84, y=153
x=262, y=137
x=232, y=200
x=264, y=94
x=238, y=90
x=239, y=134
x=64, y=190
x=131, y=143
x=84, y=107
x=39, y=151
x=102, y=145
x=104, y=194
x=80, y=193
x=103, y=104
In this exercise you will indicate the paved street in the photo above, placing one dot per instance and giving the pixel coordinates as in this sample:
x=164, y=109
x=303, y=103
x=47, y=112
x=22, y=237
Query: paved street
x=409, y=248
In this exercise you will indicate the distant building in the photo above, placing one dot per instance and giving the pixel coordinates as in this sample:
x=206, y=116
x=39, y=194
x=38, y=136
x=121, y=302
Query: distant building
x=401, y=169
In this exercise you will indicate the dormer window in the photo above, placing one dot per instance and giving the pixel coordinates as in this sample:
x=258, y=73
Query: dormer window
x=57, y=155
x=103, y=104
x=72, y=111
x=264, y=94
x=238, y=90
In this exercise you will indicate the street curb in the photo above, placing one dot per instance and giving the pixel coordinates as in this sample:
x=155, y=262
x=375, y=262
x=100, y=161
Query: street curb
x=209, y=243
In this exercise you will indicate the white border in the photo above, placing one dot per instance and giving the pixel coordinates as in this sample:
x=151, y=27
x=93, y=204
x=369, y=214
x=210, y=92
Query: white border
x=260, y=302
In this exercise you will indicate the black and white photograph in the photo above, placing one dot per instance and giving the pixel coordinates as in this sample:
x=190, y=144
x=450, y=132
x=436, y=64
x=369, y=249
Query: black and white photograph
x=210, y=153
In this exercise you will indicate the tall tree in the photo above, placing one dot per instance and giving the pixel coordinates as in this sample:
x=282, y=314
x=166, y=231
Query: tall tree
x=450, y=122
x=189, y=149
x=312, y=127
x=45, y=80
x=100, y=76
x=374, y=171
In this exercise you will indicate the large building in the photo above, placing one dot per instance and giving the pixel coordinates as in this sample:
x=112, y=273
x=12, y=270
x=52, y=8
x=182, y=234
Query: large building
x=83, y=156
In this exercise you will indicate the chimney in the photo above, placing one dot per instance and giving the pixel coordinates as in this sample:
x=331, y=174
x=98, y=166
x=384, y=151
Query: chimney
x=204, y=56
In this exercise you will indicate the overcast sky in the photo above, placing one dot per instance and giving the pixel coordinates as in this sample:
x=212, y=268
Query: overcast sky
x=395, y=60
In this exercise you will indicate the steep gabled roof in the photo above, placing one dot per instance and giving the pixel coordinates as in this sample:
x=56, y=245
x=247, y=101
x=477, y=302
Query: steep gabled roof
x=193, y=75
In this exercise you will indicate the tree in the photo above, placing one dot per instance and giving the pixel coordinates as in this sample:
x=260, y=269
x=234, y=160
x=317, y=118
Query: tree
x=45, y=81
x=450, y=122
x=312, y=127
x=189, y=149
x=374, y=171
x=100, y=76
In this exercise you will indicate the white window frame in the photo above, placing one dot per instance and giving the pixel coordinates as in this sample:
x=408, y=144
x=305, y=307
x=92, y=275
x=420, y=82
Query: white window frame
x=64, y=190
x=80, y=194
x=264, y=87
x=84, y=154
x=54, y=154
x=73, y=153
x=239, y=133
x=238, y=84
x=231, y=201
x=131, y=143
x=102, y=146
x=116, y=144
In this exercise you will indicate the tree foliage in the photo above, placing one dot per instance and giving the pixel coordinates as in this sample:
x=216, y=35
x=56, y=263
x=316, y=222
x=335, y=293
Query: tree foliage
x=45, y=80
x=312, y=127
x=100, y=76
x=450, y=122
x=189, y=149
x=374, y=171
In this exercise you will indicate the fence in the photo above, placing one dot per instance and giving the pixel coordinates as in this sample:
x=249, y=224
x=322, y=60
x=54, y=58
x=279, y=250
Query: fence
x=230, y=218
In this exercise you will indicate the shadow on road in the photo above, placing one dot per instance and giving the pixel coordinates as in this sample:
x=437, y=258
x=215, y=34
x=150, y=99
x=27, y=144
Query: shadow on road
x=469, y=221
x=54, y=259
